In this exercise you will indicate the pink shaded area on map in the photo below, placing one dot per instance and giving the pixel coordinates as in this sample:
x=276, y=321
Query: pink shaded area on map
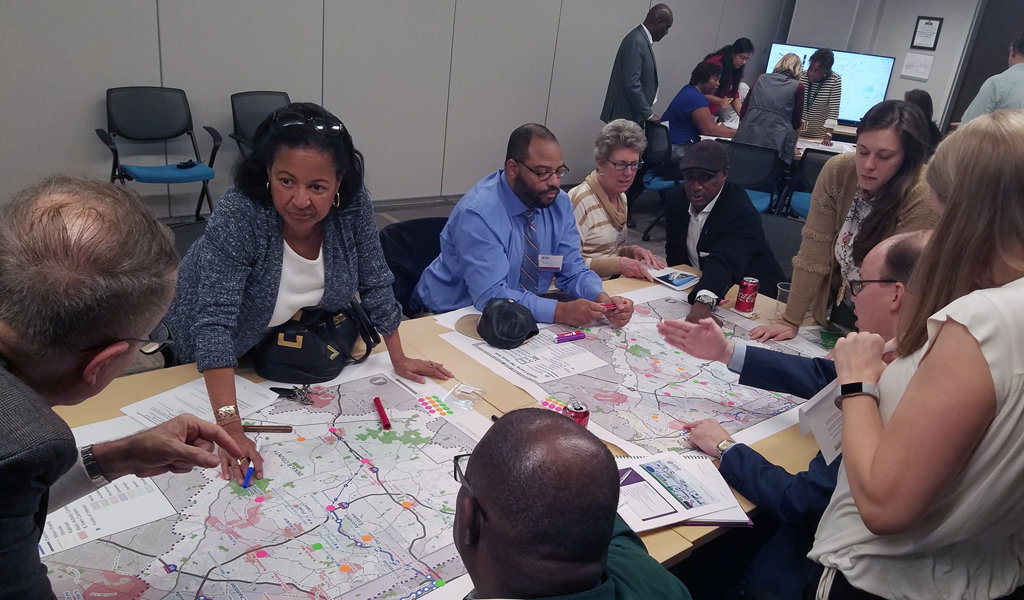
x=252, y=519
x=117, y=587
x=613, y=397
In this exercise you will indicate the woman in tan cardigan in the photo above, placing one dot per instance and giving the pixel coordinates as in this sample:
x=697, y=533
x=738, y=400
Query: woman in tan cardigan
x=599, y=204
x=859, y=200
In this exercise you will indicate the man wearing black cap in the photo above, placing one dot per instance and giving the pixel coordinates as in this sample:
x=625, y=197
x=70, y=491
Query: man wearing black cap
x=715, y=228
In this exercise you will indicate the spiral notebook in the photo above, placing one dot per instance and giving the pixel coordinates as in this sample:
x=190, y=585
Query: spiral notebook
x=671, y=489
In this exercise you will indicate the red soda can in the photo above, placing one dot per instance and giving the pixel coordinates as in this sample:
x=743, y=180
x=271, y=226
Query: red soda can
x=577, y=411
x=747, y=295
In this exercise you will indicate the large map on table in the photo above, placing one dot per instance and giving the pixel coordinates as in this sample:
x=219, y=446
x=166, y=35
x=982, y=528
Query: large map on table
x=644, y=389
x=347, y=510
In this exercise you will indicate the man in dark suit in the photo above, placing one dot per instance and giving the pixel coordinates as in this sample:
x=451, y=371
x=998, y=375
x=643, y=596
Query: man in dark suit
x=711, y=225
x=633, y=86
x=794, y=503
x=86, y=273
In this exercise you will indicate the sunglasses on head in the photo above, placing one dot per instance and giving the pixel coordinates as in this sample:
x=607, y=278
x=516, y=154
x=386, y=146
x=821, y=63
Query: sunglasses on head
x=325, y=125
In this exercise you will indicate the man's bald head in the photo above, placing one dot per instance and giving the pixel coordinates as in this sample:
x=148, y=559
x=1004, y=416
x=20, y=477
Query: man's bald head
x=884, y=273
x=658, y=21
x=548, y=491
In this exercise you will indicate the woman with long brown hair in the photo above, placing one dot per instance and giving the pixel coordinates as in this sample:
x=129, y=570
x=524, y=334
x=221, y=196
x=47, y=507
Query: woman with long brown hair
x=929, y=502
x=859, y=200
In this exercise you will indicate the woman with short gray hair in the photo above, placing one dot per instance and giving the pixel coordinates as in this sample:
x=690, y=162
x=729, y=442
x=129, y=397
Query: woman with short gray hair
x=599, y=204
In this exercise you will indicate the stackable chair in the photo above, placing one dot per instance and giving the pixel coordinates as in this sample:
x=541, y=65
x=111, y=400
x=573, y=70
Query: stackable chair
x=662, y=174
x=807, y=171
x=151, y=114
x=409, y=248
x=757, y=169
x=248, y=110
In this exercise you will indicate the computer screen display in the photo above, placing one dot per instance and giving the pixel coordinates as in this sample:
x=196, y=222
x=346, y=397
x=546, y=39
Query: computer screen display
x=865, y=77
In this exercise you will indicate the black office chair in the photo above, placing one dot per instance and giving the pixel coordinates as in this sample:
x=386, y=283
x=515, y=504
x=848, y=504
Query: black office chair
x=149, y=114
x=807, y=171
x=248, y=110
x=662, y=172
x=409, y=248
x=186, y=234
x=758, y=170
x=784, y=237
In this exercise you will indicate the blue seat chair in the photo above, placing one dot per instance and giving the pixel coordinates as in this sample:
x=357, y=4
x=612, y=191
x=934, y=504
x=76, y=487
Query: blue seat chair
x=150, y=114
x=807, y=171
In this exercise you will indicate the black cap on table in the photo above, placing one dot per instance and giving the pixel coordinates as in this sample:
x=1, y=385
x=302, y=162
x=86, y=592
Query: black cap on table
x=506, y=324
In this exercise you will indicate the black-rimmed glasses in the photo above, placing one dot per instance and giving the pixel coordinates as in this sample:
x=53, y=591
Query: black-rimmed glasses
x=158, y=339
x=622, y=166
x=559, y=172
x=326, y=126
x=461, y=462
x=857, y=285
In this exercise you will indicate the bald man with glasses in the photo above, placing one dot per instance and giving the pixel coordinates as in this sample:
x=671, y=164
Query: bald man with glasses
x=514, y=234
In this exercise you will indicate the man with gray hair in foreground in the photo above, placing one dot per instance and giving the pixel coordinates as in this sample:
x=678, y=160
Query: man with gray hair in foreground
x=86, y=273
x=535, y=517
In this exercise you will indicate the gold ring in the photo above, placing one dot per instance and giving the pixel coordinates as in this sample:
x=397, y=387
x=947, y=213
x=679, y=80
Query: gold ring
x=430, y=364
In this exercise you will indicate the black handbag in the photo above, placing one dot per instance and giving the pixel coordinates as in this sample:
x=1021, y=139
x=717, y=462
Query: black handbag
x=314, y=345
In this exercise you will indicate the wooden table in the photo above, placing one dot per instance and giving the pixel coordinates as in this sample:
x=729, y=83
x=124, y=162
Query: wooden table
x=420, y=339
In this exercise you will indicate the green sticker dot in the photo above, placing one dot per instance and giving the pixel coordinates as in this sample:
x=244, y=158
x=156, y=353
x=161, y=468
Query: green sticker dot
x=436, y=398
x=696, y=381
x=731, y=394
x=671, y=383
x=439, y=583
x=443, y=407
x=678, y=352
x=318, y=546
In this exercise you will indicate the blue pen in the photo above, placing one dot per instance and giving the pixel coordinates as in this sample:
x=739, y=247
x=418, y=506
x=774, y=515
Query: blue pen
x=248, y=474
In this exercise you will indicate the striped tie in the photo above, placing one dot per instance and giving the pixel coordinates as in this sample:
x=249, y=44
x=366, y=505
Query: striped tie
x=529, y=271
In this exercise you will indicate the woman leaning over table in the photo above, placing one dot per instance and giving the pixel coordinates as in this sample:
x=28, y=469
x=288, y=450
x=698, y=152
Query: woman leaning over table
x=859, y=200
x=296, y=230
x=774, y=109
x=929, y=502
x=599, y=204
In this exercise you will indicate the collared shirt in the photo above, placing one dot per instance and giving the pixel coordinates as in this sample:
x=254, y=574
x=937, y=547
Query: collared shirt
x=696, y=226
x=1005, y=90
x=482, y=252
x=650, y=42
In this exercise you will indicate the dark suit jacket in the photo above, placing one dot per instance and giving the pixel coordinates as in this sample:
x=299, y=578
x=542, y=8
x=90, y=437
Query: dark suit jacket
x=796, y=501
x=731, y=246
x=634, y=80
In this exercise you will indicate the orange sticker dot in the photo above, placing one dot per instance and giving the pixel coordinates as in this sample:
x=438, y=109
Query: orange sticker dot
x=654, y=416
x=406, y=504
x=301, y=439
x=344, y=568
x=367, y=538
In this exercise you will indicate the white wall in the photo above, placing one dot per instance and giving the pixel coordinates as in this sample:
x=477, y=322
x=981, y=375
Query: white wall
x=886, y=27
x=429, y=88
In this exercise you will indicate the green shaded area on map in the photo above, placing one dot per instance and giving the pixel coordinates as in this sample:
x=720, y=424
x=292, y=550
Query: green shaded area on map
x=411, y=436
x=638, y=351
x=260, y=484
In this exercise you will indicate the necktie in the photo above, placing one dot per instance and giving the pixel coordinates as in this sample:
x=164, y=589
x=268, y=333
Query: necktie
x=529, y=272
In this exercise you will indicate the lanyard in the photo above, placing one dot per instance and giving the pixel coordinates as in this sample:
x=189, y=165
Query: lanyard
x=809, y=99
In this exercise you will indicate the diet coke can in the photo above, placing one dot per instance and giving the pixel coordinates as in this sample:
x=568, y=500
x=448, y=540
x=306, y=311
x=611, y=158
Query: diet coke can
x=577, y=411
x=747, y=295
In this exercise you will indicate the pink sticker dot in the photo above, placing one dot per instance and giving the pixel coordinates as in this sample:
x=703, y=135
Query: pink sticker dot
x=431, y=411
x=544, y=403
x=558, y=409
x=647, y=375
x=332, y=429
x=667, y=394
x=261, y=554
x=703, y=383
x=258, y=499
x=365, y=461
x=330, y=508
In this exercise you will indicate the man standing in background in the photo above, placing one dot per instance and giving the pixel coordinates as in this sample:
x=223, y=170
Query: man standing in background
x=1005, y=90
x=633, y=86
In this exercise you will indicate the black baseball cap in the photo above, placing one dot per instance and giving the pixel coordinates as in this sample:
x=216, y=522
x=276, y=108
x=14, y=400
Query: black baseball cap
x=706, y=155
x=506, y=324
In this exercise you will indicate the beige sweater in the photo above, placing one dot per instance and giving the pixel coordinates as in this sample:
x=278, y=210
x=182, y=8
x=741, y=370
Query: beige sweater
x=815, y=269
x=601, y=226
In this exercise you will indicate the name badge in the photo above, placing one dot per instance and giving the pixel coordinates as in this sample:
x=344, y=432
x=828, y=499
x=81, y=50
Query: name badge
x=620, y=239
x=549, y=262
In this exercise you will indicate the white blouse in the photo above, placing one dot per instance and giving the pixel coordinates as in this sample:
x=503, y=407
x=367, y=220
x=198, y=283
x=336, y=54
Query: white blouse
x=302, y=284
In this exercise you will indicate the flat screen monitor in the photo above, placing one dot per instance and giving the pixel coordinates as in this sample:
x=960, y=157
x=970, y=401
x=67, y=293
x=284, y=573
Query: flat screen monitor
x=865, y=77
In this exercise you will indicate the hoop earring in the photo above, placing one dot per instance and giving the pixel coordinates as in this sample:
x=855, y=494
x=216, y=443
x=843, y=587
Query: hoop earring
x=268, y=187
x=600, y=172
x=337, y=199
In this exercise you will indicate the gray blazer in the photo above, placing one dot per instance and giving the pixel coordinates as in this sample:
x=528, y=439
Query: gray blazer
x=634, y=80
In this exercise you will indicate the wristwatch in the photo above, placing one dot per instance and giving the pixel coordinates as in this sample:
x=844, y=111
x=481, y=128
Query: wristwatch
x=855, y=389
x=723, y=446
x=92, y=469
x=706, y=297
x=226, y=413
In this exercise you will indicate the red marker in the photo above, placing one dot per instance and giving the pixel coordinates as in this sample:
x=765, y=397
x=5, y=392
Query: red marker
x=383, y=415
x=609, y=306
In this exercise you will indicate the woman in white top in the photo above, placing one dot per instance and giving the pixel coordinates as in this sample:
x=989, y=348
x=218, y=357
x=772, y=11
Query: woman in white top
x=929, y=503
x=599, y=204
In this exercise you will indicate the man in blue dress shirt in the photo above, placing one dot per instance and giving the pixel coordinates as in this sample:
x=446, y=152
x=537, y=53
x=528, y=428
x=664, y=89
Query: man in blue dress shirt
x=511, y=236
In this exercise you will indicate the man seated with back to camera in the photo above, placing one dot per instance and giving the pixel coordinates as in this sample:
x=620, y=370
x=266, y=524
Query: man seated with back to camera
x=794, y=502
x=511, y=236
x=535, y=517
x=711, y=225
x=86, y=273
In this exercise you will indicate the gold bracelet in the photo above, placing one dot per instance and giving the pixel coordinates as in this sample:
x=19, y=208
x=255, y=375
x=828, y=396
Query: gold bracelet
x=226, y=413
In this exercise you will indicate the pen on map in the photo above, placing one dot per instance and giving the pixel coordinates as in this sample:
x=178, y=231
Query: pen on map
x=383, y=415
x=267, y=428
x=252, y=468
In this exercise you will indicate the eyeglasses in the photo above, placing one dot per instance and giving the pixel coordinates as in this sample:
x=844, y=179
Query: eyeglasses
x=326, y=126
x=622, y=166
x=461, y=462
x=857, y=285
x=559, y=172
x=744, y=57
x=158, y=339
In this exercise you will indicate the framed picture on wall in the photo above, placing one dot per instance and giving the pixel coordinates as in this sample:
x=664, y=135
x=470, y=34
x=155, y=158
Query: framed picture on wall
x=926, y=33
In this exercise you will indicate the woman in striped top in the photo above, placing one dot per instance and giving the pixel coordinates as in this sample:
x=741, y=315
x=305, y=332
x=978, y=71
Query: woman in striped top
x=599, y=204
x=823, y=90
